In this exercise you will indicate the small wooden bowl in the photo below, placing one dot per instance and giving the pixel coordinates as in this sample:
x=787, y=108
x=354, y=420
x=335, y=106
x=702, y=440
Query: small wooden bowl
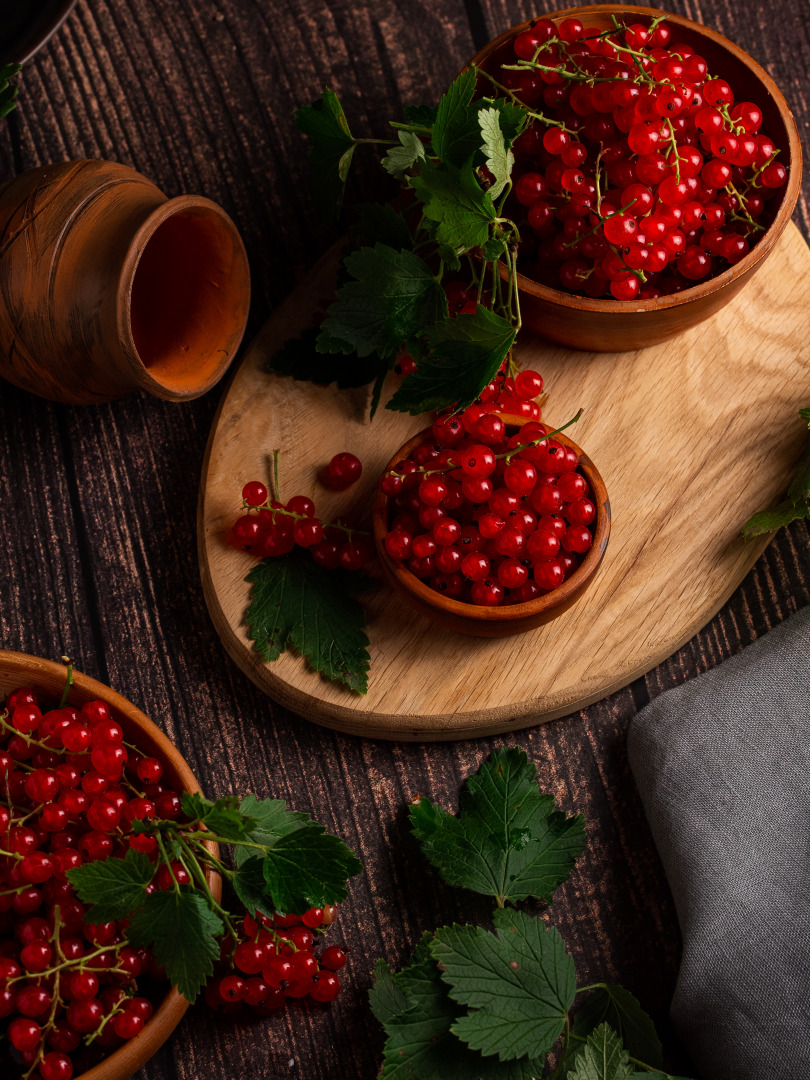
x=619, y=326
x=47, y=679
x=511, y=618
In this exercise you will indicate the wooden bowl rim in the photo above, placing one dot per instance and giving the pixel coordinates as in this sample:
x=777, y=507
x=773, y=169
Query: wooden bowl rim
x=58, y=15
x=129, y=1057
x=763, y=246
x=144, y=375
x=409, y=583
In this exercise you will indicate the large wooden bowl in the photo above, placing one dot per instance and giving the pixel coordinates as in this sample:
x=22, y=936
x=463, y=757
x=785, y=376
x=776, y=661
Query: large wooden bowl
x=47, y=679
x=511, y=618
x=618, y=326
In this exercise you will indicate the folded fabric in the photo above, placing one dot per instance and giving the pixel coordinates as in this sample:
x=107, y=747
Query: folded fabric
x=722, y=764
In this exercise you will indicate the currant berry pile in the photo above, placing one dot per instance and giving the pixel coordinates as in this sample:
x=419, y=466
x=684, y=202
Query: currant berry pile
x=489, y=513
x=275, y=962
x=639, y=173
x=271, y=528
x=69, y=989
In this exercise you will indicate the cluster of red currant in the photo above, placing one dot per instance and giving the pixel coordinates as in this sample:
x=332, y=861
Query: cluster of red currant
x=276, y=961
x=641, y=176
x=272, y=528
x=72, y=790
x=488, y=513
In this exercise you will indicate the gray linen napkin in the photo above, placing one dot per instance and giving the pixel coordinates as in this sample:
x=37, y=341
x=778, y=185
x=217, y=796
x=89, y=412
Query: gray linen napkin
x=722, y=764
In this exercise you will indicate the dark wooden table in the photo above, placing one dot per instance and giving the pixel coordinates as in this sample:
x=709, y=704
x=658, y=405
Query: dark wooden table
x=97, y=534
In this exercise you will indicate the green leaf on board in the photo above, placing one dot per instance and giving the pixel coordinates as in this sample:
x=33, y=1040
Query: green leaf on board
x=465, y=355
x=385, y=997
x=251, y=888
x=420, y=115
x=300, y=358
x=114, y=887
x=332, y=150
x=295, y=602
x=183, y=933
x=273, y=820
x=456, y=135
x=393, y=296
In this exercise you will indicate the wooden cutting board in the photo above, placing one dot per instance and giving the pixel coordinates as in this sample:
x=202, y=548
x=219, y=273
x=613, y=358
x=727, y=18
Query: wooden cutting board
x=691, y=437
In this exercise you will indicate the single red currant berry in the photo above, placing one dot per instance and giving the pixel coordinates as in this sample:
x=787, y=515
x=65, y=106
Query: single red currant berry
x=254, y=493
x=56, y=1066
x=333, y=957
x=85, y=1015
x=342, y=471
x=23, y=1034
x=325, y=986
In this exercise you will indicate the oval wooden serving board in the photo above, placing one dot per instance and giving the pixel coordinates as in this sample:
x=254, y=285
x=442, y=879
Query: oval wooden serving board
x=691, y=437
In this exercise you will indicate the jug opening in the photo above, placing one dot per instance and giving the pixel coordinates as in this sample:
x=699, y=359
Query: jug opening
x=186, y=293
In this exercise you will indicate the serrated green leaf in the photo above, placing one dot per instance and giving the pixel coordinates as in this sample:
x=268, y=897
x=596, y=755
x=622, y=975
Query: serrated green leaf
x=466, y=354
x=385, y=997
x=453, y=199
x=401, y=158
x=332, y=149
x=420, y=1043
x=767, y=521
x=499, y=159
x=308, y=868
x=520, y=983
x=299, y=358
x=617, y=1007
x=379, y=223
x=222, y=817
x=249, y=885
x=456, y=135
x=449, y=257
x=295, y=602
x=513, y=118
x=393, y=296
x=602, y=1058
x=805, y=415
x=114, y=887
x=182, y=931
x=273, y=819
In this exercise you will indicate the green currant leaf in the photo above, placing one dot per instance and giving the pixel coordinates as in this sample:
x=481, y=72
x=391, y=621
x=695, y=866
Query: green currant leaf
x=183, y=933
x=308, y=868
x=493, y=249
x=299, y=358
x=767, y=521
x=456, y=135
x=465, y=355
x=249, y=885
x=602, y=1058
x=114, y=887
x=499, y=159
x=420, y=1044
x=449, y=257
x=295, y=602
x=223, y=817
x=805, y=415
x=519, y=983
x=273, y=820
x=621, y=1010
x=332, y=149
x=385, y=997
x=453, y=199
x=512, y=118
x=393, y=296
x=401, y=158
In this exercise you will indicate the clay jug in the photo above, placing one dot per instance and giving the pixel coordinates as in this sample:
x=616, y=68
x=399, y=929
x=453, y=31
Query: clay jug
x=108, y=286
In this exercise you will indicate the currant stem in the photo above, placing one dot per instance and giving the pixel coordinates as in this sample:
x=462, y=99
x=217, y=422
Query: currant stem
x=68, y=681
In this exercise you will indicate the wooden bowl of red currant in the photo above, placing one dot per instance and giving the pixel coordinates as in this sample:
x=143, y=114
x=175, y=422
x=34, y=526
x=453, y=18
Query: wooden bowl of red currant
x=102, y=1011
x=659, y=168
x=491, y=524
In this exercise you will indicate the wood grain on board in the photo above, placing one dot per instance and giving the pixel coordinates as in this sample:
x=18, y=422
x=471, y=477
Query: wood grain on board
x=97, y=530
x=688, y=439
